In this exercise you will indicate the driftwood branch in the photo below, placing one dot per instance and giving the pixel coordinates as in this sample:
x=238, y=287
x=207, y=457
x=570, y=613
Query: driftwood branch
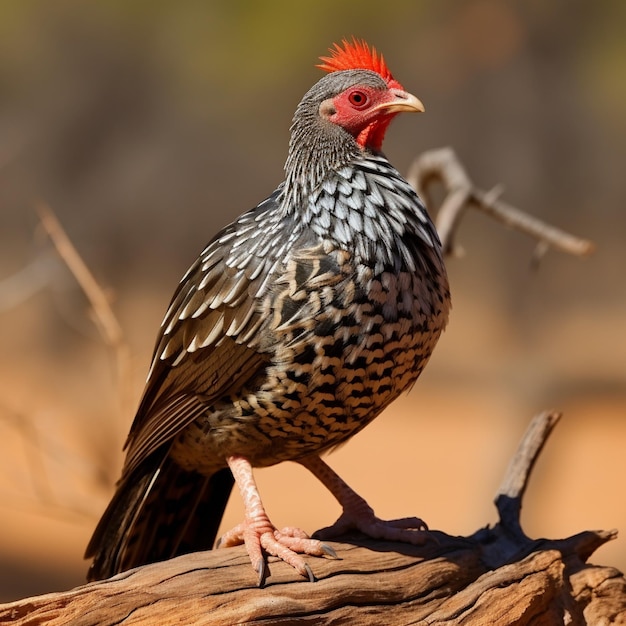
x=509, y=497
x=496, y=576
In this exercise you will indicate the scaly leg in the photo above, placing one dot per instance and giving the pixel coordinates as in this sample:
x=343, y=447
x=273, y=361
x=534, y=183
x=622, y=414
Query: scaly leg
x=259, y=534
x=357, y=514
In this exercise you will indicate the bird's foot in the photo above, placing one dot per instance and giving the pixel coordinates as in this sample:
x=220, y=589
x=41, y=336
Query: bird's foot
x=359, y=515
x=411, y=530
x=262, y=538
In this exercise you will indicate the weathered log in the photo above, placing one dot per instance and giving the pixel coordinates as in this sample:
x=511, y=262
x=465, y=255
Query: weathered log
x=444, y=582
x=496, y=576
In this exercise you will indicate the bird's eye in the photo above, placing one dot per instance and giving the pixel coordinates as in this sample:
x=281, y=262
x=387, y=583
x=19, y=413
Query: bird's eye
x=358, y=99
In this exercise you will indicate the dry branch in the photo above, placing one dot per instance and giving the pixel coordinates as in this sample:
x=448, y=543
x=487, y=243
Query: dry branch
x=497, y=576
x=13, y=291
x=103, y=315
x=443, y=165
x=513, y=487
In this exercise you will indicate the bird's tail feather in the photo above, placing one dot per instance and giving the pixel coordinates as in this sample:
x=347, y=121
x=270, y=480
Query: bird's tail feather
x=158, y=512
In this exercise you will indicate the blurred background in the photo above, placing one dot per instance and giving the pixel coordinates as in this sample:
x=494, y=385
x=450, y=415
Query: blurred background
x=146, y=126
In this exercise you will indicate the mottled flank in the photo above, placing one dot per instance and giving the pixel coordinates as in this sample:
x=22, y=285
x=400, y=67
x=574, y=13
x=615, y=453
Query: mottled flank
x=297, y=325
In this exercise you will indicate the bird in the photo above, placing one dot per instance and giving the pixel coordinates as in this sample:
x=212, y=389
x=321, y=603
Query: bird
x=295, y=327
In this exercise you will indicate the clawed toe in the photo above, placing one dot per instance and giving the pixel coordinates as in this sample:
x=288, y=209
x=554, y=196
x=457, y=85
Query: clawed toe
x=411, y=530
x=287, y=544
x=408, y=523
x=261, y=537
x=358, y=515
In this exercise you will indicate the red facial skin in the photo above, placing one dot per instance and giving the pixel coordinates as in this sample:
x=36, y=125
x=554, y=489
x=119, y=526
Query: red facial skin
x=365, y=112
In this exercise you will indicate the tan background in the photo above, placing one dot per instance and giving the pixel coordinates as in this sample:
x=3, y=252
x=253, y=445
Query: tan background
x=147, y=126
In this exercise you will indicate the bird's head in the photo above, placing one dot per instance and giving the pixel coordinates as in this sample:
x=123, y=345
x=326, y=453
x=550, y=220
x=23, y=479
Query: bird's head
x=362, y=95
x=344, y=114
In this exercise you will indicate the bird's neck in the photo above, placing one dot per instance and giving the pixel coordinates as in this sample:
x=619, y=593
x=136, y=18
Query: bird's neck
x=316, y=149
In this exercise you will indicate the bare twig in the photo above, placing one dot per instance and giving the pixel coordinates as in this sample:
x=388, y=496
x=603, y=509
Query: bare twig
x=443, y=165
x=37, y=447
x=509, y=497
x=104, y=317
x=506, y=541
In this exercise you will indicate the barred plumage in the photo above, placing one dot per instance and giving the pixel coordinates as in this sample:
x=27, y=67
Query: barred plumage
x=297, y=325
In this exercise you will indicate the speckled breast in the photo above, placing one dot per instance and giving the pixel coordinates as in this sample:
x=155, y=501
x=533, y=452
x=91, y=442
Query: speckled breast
x=344, y=343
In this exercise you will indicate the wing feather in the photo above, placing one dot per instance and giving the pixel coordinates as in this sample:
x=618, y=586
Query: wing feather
x=208, y=347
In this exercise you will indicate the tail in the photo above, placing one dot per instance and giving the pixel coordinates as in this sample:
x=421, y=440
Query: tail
x=158, y=512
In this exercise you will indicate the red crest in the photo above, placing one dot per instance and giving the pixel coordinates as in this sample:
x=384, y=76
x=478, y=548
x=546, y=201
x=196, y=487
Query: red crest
x=356, y=56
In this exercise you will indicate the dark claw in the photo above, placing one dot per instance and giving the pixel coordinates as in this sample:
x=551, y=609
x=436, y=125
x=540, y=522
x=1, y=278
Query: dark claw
x=329, y=551
x=262, y=572
x=309, y=572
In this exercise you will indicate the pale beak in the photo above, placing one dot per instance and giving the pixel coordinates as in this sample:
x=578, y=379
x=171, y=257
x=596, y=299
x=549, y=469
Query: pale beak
x=402, y=101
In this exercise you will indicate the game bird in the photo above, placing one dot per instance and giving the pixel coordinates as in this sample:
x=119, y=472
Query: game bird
x=295, y=327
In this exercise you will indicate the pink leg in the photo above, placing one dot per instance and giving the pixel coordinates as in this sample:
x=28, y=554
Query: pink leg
x=357, y=514
x=259, y=534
